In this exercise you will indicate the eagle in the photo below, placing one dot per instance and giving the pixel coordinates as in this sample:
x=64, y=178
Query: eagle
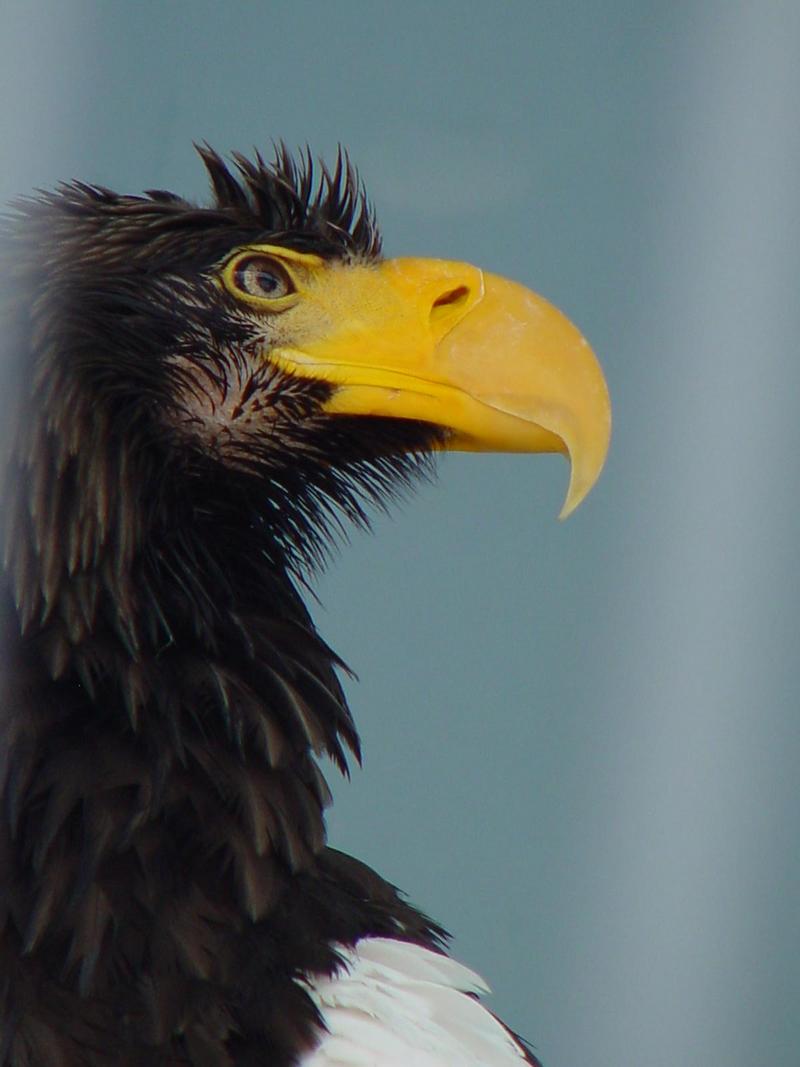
x=196, y=400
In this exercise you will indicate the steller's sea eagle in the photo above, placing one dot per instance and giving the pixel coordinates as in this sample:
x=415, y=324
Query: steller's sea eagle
x=195, y=397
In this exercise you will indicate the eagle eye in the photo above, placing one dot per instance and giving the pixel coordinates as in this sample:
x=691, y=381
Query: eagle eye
x=261, y=277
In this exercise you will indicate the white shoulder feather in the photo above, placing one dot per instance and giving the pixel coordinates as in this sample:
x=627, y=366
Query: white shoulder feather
x=393, y=1004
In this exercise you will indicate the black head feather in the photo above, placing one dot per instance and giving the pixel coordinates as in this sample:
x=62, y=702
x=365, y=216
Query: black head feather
x=286, y=199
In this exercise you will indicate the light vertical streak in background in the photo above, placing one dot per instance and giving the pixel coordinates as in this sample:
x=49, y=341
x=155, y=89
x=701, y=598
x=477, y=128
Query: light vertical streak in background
x=698, y=961
x=44, y=52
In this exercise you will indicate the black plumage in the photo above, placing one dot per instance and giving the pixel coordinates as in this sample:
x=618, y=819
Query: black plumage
x=164, y=875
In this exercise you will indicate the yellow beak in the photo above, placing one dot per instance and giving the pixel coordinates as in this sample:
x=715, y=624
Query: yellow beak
x=446, y=343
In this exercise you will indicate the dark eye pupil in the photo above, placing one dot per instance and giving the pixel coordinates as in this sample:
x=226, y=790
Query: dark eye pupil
x=262, y=277
x=267, y=283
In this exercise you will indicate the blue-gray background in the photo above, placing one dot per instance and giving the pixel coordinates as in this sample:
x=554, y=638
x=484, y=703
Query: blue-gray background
x=582, y=740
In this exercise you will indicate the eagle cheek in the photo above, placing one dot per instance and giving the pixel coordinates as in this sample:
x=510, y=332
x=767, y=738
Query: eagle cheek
x=231, y=402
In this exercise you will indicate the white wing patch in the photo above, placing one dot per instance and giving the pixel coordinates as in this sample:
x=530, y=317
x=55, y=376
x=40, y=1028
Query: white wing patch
x=393, y=1004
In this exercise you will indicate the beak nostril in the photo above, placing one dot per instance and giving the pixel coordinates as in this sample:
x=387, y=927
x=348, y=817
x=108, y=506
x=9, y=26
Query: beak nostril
x=453, y=298
x=450, y=301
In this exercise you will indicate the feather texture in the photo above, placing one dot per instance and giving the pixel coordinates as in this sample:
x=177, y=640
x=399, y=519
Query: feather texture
x=394, y=1004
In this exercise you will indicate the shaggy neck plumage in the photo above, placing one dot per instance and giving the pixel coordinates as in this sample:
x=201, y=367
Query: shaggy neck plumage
x=162, y=835
x=174, y=692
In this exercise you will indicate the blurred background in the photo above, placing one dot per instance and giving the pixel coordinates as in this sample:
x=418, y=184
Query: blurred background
x=581, y=739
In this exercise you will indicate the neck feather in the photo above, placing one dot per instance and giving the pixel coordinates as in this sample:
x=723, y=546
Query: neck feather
x=167, y=695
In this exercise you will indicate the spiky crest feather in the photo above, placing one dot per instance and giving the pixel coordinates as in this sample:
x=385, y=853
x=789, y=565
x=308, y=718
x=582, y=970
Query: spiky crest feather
x=291, y=197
